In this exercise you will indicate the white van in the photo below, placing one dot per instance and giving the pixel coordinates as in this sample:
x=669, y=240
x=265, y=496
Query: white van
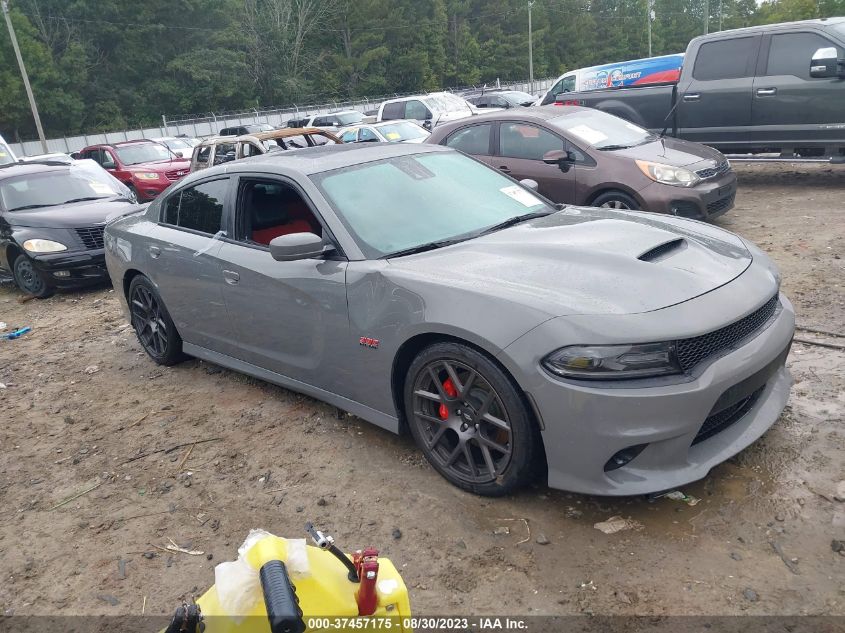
x=636, y=72
x=7, y=156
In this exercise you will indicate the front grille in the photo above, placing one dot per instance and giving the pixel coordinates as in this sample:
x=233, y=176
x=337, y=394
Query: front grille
x=720, y=204
x=710, y=172
x=692, y=351
x=719, y=421
x=175, y=174
x=91, y=236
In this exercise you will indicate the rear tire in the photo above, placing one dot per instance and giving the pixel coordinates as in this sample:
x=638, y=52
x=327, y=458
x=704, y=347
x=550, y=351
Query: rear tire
x=470, y=420
x=31, y=280
x=616, y=200
x=152, y=323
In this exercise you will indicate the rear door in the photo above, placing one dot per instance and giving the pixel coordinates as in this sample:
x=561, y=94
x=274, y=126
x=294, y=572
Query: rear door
x=715, y=103
x=520, y=149
x=182, y=251
x=475, y=140
x=788, y=104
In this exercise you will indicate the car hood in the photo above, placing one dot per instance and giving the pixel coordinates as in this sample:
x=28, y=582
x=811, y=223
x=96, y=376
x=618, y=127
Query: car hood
x=671, y=151
x=162, y=166
x=71, y=216
x=587, y=261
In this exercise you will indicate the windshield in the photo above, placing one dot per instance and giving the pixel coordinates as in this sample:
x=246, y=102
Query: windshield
x=350, y=118
x=602, y=130
x=48, y=189
x=142, y=153
x=447, y=102
x=839, y=27
x=5, y=155
x=518, y=98
x=402, y=131
x=176, y=143
x=403, y=202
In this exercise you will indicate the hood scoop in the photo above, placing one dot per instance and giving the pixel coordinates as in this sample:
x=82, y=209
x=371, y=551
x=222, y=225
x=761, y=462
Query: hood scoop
x=662, y=251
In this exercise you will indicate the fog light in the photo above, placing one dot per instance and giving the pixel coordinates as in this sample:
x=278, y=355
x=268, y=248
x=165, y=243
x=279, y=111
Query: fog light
x=61, y=273
x=623, y=457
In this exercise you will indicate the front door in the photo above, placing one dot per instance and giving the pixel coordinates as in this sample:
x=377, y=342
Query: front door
x=288, y=317
x=521, y=148
x=786, y=96
x=715, y=104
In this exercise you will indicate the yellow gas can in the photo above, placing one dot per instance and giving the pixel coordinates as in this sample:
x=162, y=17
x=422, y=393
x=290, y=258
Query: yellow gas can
x=327, y=598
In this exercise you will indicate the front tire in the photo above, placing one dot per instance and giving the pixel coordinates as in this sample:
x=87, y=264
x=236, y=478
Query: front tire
x=470, y=421
x=616, y=200
x=152, y=323
x=31, y=280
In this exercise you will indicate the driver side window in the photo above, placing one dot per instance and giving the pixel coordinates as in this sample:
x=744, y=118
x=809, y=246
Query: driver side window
x=268, y=209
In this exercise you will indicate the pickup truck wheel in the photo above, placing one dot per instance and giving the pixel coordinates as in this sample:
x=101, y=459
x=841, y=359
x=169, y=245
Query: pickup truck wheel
x=616, y=200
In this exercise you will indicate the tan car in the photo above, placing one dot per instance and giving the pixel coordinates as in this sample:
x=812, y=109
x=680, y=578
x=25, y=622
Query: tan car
x=223, y=149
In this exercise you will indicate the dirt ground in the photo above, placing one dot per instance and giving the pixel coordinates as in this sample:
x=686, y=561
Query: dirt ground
x=80, y=399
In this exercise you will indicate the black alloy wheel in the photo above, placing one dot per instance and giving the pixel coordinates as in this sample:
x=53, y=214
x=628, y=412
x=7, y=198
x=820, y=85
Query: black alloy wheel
x=152, y=324
x=469, y=420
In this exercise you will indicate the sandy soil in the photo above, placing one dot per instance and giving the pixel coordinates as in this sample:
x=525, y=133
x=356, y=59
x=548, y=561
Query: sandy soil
x=81, y=399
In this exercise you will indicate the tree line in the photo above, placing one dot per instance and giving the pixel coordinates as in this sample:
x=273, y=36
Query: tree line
x=100, y=65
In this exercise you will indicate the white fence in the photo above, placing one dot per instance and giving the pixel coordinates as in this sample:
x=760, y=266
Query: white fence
x=201, y=126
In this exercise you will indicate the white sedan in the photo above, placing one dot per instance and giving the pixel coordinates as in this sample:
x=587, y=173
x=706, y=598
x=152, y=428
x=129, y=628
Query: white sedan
x=386, y=132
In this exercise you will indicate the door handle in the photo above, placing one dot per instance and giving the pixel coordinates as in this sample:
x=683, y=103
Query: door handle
x=155, y=251
x=231, y=277
x=505, y=169
x=766, y=92
x=692, y=97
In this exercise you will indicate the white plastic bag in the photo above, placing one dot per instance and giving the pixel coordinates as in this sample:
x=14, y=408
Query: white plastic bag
x=237, y=583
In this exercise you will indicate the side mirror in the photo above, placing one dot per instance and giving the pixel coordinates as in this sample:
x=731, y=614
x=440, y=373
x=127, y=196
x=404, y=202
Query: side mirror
x=109, y=165
x=295, y=246
x=558, y=157
x=531, y=184
x=826, y=63
x=427, y=124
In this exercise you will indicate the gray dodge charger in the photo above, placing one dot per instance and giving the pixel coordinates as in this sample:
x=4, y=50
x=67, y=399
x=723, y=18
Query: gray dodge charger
x=617, y=352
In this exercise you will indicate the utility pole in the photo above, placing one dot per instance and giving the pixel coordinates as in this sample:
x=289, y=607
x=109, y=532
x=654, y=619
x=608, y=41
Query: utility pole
x=650, y=17
x=706, y=16
x=530, y=50
x=720, y=15
x=5, y=5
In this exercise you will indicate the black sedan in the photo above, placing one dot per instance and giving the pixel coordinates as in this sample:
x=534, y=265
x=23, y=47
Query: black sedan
x=52, y=215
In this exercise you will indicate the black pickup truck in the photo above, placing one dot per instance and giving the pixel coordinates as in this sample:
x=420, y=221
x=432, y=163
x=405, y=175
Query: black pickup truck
x=774, y=88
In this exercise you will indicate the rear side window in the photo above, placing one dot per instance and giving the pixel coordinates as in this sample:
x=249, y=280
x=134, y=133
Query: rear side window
x=198, y=208
x=529, y=142
x=790, y=53
x=473, y=140
x=416, y=110
x=393, y=111
x=725, y=59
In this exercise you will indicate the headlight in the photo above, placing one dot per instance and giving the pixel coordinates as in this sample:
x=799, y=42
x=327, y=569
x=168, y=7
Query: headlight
x=146, y=175
x=612, y=362
x=44, y=246
x=667, y=174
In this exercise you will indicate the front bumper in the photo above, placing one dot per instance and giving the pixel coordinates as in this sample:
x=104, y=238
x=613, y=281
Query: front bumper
x=150, y=189
x=706, y=201
x=73, y=269
x=585, y=424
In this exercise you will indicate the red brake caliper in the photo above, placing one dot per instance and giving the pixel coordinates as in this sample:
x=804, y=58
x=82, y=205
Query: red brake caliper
x=449, y=388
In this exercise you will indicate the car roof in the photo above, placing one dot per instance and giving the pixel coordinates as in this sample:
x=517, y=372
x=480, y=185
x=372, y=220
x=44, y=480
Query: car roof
x=287, y=132
x=34, y=167
x=536, y=114
x=314, y=160
x=769, y=28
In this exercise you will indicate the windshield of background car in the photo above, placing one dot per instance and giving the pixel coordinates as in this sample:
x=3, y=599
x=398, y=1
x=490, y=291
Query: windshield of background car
x=56, y=187
x=402, y=131
x=447, y=103
x=142, y=153
x=5, y=155
x=399, y=203
x=518, y=98
x=602, y=130
x=177, y=143
x=350, y=118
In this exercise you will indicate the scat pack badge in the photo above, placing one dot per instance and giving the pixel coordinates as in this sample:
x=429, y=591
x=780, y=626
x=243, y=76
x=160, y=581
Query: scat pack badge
x=366, y=341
